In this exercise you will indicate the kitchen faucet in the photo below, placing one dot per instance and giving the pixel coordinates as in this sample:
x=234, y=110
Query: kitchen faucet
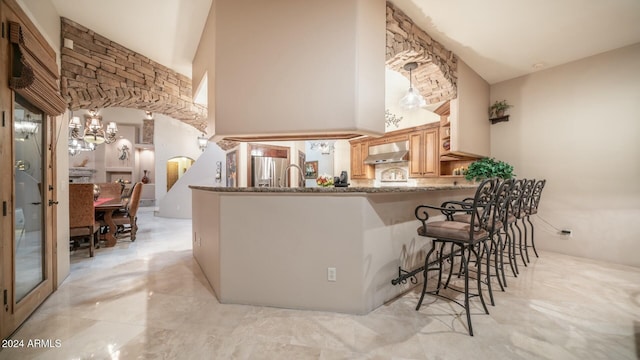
x=300, y=175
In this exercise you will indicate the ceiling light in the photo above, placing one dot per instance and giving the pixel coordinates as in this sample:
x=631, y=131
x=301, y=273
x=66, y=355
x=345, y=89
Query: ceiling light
x=324, y=146
x=94, y=131
x=412, y=100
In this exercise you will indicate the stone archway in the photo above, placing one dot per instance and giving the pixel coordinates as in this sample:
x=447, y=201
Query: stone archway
x=99, y=73
x=436, y=76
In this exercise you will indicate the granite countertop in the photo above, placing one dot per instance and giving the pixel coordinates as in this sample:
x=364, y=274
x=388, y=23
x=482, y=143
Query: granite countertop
x=331, y=190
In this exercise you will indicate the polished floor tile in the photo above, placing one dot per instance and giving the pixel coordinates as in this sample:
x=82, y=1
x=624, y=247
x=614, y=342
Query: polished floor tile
x=148, y=299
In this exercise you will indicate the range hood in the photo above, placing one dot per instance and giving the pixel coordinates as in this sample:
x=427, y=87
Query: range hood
x=388, y=153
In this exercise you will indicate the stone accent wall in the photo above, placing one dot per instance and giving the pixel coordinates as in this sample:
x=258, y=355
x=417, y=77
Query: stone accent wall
x=99, y=73
x=436, y=75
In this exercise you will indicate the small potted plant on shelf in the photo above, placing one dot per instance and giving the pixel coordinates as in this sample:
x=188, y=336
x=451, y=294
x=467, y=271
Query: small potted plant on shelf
x=487, y=168
x=498, y=108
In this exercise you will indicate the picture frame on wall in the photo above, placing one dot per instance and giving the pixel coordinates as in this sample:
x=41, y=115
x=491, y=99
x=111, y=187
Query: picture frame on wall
x=310, y=169
x=232, y=168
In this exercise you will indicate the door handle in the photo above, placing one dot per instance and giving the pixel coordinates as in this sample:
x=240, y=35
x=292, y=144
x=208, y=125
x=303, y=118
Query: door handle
x=36, y=203
x=51, y=203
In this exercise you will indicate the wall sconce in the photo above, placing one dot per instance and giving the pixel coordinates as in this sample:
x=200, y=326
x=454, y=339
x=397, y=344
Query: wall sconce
x=412, y=100
x=203, y=141
x=324, y=146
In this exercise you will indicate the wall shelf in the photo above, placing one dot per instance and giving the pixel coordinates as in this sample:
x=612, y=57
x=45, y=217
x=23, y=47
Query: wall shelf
x=118, y=169
x=499, y=119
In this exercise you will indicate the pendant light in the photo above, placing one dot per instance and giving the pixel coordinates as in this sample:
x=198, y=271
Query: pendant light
x=412, y=100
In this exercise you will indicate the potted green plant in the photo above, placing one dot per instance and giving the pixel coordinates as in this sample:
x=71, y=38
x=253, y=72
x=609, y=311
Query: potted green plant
x=487, y=168
x=498, y=108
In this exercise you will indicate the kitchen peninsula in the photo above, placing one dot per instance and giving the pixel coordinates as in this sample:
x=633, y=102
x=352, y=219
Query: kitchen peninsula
x=327, y=249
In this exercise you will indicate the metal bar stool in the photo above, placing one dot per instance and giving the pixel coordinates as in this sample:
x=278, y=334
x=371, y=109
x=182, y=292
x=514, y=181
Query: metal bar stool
x=464, y=239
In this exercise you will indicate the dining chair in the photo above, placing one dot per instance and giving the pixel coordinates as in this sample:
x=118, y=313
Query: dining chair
x=127, y=221
x=112, y=190
x=82, y=222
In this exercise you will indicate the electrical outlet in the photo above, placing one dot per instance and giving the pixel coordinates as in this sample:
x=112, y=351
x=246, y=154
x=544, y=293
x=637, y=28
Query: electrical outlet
x=566, y=232
x=331, y=274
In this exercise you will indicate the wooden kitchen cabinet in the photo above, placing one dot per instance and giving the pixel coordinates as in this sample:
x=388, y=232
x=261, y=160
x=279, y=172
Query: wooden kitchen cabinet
x=423, y=149
x=360, y=170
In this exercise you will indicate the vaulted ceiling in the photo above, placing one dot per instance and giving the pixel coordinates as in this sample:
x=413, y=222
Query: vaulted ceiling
x=499, y=39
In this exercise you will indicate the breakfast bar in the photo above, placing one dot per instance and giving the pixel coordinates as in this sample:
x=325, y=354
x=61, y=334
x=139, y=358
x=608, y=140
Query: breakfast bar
x=327, y=249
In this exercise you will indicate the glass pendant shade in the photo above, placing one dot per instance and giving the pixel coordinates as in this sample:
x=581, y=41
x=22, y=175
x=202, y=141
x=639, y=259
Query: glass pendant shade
x=412, y=100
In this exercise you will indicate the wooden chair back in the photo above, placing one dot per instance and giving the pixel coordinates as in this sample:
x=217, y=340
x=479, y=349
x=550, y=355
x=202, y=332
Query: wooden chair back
x=81, y=212
x=134, y=202
x=110, y=190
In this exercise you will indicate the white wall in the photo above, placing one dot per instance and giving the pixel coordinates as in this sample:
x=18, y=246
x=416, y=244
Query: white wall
x=578, y=126
x=326, y=76
x=177, y=202
x=171, y=138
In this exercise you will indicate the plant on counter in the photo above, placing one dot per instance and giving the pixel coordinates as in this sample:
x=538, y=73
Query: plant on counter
x=324, y=180
x=498, y=108
x=487, y=168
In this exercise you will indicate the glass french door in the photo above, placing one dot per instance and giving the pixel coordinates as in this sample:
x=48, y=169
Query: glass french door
x=27, y=254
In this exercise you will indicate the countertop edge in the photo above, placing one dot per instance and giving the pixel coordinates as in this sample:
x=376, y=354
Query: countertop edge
x=333, y=190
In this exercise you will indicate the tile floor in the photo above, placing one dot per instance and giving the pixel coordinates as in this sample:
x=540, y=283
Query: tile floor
x=149, y=300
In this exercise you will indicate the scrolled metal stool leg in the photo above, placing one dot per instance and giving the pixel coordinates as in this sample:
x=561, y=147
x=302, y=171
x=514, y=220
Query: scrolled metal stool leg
x=426, y=275
x=533, y=243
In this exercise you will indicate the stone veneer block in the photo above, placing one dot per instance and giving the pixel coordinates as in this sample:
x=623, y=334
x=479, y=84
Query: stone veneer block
x=99, y=73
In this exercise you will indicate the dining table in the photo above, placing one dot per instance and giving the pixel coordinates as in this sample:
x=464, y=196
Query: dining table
x=105, y=207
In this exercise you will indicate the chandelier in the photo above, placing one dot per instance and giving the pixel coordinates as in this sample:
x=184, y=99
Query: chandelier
x=77, y=146
x=324, y=146
x=94, y=131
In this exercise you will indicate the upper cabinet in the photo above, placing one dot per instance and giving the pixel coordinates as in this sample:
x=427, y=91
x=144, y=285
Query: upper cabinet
x=423, y=150
x=359, y=152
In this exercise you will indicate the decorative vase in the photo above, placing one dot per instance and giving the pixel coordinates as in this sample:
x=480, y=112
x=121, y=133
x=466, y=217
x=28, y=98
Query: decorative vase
x=145, y=178
x=499, y=113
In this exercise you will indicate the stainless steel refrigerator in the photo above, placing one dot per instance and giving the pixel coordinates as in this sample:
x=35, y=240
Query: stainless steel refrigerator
x=268, y=171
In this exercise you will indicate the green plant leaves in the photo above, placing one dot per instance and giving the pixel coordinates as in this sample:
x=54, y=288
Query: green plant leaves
x=487, y=168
